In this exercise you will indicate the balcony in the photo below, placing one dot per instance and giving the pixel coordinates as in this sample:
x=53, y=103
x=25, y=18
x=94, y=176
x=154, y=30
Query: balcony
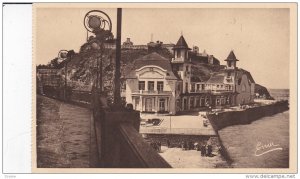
x=221, y=91
x=201, y=91
x=146, y=92
x=211, y=91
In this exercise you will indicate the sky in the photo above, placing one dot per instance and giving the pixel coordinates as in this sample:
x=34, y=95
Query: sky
x=260, y=37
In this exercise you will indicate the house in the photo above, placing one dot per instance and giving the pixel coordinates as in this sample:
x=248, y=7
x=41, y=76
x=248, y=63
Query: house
x=151, y=85
x=160, y=85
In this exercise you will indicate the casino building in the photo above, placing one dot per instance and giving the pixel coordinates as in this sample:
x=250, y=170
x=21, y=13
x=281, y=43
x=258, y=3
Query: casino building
x=161, y=85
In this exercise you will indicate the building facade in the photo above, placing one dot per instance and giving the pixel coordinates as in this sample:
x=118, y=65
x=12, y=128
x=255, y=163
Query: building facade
x=160, y=85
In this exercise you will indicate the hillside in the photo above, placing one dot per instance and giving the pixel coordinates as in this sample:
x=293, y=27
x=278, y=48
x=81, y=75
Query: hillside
x=262, y=91
x=82, y=68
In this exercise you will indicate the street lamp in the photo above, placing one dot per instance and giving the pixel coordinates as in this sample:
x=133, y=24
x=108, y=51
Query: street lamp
x=98, y=23
x=65, y=55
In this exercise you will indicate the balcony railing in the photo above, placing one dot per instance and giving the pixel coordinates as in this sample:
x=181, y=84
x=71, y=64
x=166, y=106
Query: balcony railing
x=211, y=91
x=152, y=92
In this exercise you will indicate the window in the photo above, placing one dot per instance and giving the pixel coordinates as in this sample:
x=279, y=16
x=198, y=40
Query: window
x=150, y=85
x=178, y=54
x=228, y=73
x=148, y=106
x=141, y=85
x=186, y=87
x=191, y=102
x=193, y=88
x=137, y=103
x=162, y=105
x=178, y=104
x=160, y=86
x=202, y=102
x=187, y=68
x=198, y=87
x=198, y=102
x=179, y=87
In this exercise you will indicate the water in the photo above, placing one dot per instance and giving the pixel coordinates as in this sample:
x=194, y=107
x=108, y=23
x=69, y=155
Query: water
x=280, y=94
x=243, y=142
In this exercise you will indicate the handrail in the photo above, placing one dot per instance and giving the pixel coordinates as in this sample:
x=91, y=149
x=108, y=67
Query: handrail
x=137, y=152
x=184, y=131
x=152, y=92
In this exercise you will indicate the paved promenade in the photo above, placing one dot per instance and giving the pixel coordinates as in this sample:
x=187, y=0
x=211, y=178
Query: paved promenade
x=63, y=134
x=182, y=124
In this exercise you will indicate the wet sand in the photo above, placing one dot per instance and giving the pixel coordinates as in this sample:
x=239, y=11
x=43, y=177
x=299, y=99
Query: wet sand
x=179, y=158
x=261, y=144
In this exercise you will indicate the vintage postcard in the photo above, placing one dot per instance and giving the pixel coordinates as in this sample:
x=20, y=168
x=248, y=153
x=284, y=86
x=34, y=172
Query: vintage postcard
x=164, y=88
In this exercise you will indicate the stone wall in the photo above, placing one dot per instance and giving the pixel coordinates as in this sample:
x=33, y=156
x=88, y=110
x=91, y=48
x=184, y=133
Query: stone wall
x=229, y=118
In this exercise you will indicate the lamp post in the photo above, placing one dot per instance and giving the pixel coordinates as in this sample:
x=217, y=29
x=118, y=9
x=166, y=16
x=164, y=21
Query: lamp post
x=65, y=55
x=98, y=23
x=98, y=48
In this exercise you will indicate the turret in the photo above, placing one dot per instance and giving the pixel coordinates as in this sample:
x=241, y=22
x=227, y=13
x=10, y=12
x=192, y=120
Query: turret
x=181, y=50
x=231, y=60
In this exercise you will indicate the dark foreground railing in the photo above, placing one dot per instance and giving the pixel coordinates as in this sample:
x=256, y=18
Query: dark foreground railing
x=136, y=152
x=119, y=143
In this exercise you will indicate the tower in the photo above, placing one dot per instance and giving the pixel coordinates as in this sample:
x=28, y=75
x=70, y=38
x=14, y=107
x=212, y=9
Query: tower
x=231, y=60
x=181, y=50
x=181, y=63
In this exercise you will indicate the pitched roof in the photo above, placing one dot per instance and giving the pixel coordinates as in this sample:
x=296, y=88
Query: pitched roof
x=231, y=57
x=152, y=59
x=181, y=43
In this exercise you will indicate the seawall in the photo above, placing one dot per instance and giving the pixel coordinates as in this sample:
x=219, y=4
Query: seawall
x=221, y=120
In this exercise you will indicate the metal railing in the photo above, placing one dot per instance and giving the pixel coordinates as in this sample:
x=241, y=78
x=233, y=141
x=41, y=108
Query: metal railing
x=211, y=91
x=151, y=92
x=184, y=131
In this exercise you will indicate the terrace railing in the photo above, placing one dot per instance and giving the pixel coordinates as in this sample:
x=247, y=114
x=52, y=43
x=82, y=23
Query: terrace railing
x=183, y=131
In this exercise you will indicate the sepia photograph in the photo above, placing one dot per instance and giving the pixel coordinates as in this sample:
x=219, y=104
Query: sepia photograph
x=164, y=86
